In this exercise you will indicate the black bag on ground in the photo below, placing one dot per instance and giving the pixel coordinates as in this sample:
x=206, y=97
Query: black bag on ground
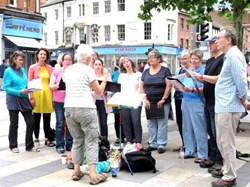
x=104, y=147
x=51, y=134
x=140, y=161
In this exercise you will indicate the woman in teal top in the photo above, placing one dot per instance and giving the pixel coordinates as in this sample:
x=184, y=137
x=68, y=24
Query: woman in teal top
x=17, y=100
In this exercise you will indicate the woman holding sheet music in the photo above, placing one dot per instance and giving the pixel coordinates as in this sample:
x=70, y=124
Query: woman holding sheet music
x=131, y=118
x=58, y=97
x=157, y=88
x=17, y=100
x=194, y=125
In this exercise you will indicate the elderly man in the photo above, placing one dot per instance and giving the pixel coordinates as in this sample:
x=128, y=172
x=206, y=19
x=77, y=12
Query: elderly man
x=230, y=95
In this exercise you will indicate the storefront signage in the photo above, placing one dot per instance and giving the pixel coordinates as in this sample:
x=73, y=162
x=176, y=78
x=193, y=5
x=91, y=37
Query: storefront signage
x=22, y=27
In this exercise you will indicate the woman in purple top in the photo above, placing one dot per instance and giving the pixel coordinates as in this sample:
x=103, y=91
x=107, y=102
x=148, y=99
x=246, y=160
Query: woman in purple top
x=59, y=96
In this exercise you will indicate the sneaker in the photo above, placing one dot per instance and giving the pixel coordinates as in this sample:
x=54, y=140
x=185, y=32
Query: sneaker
x=34, y=149
x=216, y=167
x=199, y=160
x=15, y=150
x=221, y=182
x=60, y=151
x=149, y=148
x=217, y=174
x=207, y=164
x=37, y=144
x=161, y=150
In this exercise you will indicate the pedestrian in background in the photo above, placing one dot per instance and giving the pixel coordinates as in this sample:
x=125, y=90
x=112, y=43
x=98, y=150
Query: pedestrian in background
x=230, y=96
x=193, y=125
x=58, y=98
x=157, y=88
x=185, y=61
x=17, y=100
x=81, y=114
x=131, y=118
x=3, y=67
x=42, y=100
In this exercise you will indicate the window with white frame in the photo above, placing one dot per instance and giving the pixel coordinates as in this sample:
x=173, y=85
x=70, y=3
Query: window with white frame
x=56, y=38
x=107, y=6
x=12, y=3
x=147, y=31
x=121, y=5
x=95, y=34
x=45, y=39
x=96, y=8
x=56, y=14
x=45, y=15
x=121, y=32
x=107, y=32
x=82, y=35
x=68, y=10
x=81, y=9
x=170, y=32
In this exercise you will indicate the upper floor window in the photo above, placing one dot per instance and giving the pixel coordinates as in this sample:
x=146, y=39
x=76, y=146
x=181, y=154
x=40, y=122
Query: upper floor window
x=82, y=36
x=187, y=43
x=45, y=15
x=121, y=32
x=12, y=3
x=56, y=38
x=107, y=6
x=68, y=8
x=170, y=32
x=45, y=39
x=96, y=8
x=107, y=32
x=56, y=14
x=147, y=31
x=121, y=5
x=81, y=9
x=95, y=35
x=181, y=43
x=187, y=25
x=182, y=23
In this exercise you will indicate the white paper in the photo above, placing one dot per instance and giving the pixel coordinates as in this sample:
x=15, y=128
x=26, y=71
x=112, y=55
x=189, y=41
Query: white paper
x=132, y=101
x=35, y=84
x=177, y=84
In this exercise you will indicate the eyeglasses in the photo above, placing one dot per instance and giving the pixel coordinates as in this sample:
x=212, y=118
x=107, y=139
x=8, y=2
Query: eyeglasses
x=150, y=57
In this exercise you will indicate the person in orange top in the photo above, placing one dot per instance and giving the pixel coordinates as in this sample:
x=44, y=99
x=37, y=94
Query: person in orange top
x=42, y=99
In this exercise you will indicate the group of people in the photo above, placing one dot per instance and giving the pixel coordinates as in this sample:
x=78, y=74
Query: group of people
x=210, y=103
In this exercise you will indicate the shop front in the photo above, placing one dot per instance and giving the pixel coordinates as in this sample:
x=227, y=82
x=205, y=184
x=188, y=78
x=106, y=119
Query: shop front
x=21, y=34
x=111, y=54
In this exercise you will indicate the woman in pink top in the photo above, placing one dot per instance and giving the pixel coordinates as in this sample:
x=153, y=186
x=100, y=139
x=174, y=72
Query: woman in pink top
x=59, y=96
x=42, y=99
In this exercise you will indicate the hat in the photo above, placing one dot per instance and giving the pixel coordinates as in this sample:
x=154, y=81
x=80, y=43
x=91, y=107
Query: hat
x=212, y=39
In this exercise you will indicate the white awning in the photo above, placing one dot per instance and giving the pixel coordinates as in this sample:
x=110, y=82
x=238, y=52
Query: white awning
x=24, y=42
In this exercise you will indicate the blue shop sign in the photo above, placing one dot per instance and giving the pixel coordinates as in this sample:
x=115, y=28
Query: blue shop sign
x=22, y=27
x=126, y=50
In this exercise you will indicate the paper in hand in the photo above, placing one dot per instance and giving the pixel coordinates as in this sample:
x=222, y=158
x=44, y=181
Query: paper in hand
x=35, y=85
x=176, y=83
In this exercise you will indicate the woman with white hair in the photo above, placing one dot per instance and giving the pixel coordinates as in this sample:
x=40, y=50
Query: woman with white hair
x=80, y=112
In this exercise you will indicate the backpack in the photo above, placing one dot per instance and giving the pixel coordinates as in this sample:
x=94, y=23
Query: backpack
x=140, y=161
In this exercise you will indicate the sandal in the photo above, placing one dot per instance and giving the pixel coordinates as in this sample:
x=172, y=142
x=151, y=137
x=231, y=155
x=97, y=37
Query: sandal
x=49, y=143
x=77, y=175
x=34, y=149
x=98, y=178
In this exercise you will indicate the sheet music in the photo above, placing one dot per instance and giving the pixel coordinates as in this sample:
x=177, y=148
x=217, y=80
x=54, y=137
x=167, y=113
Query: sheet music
x=35, y=85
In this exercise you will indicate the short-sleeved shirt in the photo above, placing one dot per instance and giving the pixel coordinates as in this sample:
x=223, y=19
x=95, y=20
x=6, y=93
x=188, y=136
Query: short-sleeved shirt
x=59, y=95
x=155, y=85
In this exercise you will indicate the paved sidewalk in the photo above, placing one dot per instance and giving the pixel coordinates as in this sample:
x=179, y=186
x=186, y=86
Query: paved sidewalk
x=44, y=169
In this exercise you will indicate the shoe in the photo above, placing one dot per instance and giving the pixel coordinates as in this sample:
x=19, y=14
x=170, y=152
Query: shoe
x=68, y=148
x=216, y=167
x=15, y=150
x=49, y=143
x=217, y=174
x=188, y=156
x=77, y=175
x=222, y=182
x=199, y=160
x=161, y=150
x=60, y=151
x=207, y=164
x=34, y=149
x=149, y=148
x=98, y=178
x=37, y=144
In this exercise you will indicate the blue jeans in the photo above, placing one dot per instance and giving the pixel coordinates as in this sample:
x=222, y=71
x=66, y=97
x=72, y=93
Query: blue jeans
x=60, y=120
x=158, y=130
x=103, y=117
x=211, y=130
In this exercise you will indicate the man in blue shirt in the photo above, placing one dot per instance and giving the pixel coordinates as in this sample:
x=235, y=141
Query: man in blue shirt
x=3, y=67
x=230, y=95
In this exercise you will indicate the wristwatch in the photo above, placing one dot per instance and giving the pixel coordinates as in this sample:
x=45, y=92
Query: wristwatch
x=164, y=98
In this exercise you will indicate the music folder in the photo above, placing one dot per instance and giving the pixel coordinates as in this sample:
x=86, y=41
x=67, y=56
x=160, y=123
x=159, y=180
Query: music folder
x=62, y=85
x=154, y=112
x=112, y=86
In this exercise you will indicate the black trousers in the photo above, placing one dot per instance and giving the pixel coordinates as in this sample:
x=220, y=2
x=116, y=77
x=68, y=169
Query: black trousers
x=178, y=113
x=46, y=124
x=13, y=130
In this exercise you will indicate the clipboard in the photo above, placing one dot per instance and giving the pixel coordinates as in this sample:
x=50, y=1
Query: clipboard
x=62, y=85
x=177, y=83
x=154, y=112
x=112, y=86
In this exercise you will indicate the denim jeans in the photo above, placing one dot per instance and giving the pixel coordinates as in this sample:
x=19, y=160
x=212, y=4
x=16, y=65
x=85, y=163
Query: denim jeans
x=103, y=117
x=211, y=130
x=158, y=130
x=60, y=120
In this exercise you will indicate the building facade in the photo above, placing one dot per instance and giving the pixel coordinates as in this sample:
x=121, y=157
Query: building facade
x=113, y=29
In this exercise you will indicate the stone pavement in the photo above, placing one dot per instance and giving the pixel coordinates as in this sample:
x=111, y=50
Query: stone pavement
x=44, y=169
